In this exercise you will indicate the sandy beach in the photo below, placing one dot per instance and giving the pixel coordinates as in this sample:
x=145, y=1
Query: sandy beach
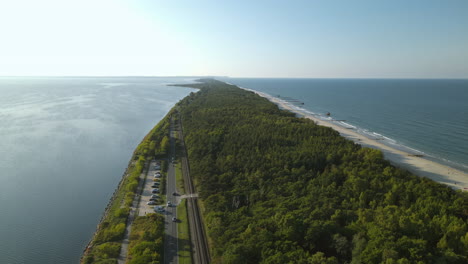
x=418, y=165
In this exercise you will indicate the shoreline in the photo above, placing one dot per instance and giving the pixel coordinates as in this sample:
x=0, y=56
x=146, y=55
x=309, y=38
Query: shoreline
x=417, y=165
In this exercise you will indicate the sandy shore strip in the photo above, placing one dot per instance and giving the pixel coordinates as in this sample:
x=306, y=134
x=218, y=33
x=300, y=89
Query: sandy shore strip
x=417, y=165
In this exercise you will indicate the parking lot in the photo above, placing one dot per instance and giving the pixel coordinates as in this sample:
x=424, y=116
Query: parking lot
x=144, y=208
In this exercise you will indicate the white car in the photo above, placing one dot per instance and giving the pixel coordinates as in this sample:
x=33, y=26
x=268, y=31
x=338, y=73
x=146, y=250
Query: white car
x=169, y=203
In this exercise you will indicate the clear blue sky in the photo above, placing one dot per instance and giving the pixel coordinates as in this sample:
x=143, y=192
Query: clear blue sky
x=317, y=39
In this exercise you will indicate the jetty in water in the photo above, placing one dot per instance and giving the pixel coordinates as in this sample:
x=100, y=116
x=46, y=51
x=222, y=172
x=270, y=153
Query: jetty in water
x=291, y=100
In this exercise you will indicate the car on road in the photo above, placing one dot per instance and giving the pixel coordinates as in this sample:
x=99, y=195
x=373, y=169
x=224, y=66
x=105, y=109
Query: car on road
x=151, y=203
x=159, y=209
x=174, y=219
x=169, y=203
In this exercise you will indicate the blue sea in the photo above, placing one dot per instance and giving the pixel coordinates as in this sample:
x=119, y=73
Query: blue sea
x=64, y=145
x=421, y=116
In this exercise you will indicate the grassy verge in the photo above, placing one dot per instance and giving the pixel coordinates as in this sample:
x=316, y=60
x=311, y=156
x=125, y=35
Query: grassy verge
x=146, y=239
x=185, y=249
x=179, y=178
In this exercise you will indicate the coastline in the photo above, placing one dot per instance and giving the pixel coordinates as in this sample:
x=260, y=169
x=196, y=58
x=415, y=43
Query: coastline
x=420, y=166
x=120, y=209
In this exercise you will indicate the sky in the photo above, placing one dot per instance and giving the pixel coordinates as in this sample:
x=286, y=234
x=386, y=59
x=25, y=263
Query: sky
x=292, y=39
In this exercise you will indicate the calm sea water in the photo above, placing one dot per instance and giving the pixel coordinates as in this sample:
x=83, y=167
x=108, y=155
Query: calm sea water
x=64, y=144
x=421, y=116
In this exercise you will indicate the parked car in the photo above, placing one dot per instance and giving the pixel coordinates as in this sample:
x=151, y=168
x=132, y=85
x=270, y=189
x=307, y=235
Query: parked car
x=154, y=196
x=155, y=185
x=155, y=191
x=174, y=193
x=159, y=209
x=169, y=203
x=151, y=203
x=174, y=219
x=153, y=199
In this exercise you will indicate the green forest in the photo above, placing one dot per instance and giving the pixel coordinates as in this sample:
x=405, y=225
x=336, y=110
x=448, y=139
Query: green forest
x=280, y=189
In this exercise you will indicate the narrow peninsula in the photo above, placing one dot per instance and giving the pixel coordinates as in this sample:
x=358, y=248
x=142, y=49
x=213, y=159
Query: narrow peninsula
x=277, y=188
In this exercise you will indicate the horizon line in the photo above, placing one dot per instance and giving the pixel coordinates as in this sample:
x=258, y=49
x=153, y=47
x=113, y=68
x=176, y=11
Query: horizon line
x=224, y=76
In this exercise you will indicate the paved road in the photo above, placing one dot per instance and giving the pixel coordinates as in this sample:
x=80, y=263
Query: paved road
x=170, y=239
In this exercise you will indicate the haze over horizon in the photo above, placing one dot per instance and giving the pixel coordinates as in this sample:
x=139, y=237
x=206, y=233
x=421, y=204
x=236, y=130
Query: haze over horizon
x=300, y=39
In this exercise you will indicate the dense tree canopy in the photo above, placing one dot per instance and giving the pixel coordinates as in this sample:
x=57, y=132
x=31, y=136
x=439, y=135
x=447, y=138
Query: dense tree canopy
x=281, y=189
